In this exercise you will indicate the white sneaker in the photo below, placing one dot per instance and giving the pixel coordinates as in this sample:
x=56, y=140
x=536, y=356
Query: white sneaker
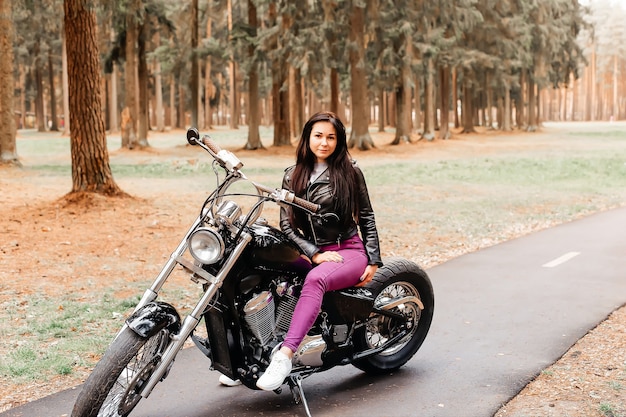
x=275, y=374
x=226, y=381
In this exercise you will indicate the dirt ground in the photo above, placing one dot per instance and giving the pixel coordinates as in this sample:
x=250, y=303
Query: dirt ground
x=54, y=244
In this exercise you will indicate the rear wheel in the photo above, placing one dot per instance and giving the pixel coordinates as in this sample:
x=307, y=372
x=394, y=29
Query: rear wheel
x=403, y=285
x=114, y=386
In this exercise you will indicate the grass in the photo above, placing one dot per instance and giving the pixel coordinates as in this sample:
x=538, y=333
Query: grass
x=51, y=337
x=610, y=410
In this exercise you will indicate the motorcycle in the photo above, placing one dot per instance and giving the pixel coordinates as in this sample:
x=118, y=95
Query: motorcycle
x=251, y=274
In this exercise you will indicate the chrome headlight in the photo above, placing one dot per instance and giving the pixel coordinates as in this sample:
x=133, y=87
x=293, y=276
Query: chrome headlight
x=206, y=246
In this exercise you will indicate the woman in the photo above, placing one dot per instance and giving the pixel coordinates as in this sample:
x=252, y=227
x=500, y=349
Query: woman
x=326, y=175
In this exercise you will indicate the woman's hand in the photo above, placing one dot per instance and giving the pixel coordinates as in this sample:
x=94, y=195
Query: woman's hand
x=367, y=276
x=330, y=256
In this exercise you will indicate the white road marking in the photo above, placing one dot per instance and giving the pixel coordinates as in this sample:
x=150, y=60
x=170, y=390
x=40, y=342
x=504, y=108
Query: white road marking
x=561, y=259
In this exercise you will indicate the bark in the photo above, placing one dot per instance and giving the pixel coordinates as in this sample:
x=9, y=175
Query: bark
x=8, y=152
x=329, y=7
x=403, y=98
x=90, y=159
x=39, y=105
x=280, y=103
x=280, y=87
x=455, y=99
x=489, y=95
x=506, y=123
x=381, y=109
x=444, y=88
x=467, y=108
x=417, y=120
x=360, y=135
x=429, y=102
x=54, y=126
x=194, y=80
x=114, y=124
x=129, y=114
x=254, y=137
x=532, y=105
x=233, y=76
x=209, y=88
x=142, y=86
x=66, y=97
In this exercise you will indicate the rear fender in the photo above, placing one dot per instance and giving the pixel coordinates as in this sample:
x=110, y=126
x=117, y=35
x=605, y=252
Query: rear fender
x=152, y=318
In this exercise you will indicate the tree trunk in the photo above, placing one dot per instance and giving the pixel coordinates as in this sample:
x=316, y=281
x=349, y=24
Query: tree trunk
x=429, y=102
x=39, y=110
x=181, y=115
x=298, y=107
x=233, y=76
x=90, y=159
x=254, y=138
x=8, y=152
x=467, y=108
x=113, y=112
x=280, y=103
x=158, y=97
x=403, y=98
x=532, y=105
x=444, y=87
x=142, y=85
x=506, y=123
x=54, y=126
x=173, y=110
x=360, y=135
x=417, y=120
x=129, y=114
x=403, y=127
x=209, y=88
x=489, y=94
x=66, y=97
x=381, y=109
x=194, y=80
x=455, y=98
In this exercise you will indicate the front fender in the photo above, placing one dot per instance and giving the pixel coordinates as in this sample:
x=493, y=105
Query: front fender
x=153, y=317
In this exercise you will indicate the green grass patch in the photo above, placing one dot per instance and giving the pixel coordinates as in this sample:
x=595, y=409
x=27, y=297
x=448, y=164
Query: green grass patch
x=46, y=337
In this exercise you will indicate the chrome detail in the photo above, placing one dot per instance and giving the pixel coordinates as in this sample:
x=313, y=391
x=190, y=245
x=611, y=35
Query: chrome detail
x=309, y=353
x=206, y=245
x=392, y=303
x=259, y=314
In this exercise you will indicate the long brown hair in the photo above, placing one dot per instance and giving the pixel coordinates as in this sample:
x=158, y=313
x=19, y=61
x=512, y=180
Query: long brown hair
x=343, y=177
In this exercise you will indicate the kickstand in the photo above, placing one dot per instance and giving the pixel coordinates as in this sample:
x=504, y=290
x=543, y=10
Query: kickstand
x=295, y=384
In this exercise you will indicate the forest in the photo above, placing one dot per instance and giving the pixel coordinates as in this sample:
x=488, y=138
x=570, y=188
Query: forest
x=420, y=67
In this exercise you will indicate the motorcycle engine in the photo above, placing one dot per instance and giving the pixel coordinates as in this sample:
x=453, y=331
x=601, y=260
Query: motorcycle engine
x=268, y=315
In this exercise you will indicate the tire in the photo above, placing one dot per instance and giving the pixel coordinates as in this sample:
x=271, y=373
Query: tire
x=397, y=278
x=113, y=387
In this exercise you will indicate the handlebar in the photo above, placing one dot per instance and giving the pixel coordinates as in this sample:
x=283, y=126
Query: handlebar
x=231, y=163
x=287, y=196
x=225, y=158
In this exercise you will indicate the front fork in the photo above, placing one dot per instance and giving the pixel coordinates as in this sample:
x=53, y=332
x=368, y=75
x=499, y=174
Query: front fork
x=193, y=319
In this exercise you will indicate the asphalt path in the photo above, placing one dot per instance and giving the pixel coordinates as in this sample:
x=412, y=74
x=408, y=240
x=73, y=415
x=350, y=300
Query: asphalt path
x=502, y=315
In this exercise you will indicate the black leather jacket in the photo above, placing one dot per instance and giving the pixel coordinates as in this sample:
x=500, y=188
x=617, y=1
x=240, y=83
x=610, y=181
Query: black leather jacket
x=331, y=229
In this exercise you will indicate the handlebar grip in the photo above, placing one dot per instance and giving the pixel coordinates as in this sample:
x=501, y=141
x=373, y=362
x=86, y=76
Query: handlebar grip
x=306, y=204
x=214, y=147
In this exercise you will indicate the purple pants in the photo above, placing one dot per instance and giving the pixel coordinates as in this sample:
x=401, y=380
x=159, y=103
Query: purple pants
x=327, y=276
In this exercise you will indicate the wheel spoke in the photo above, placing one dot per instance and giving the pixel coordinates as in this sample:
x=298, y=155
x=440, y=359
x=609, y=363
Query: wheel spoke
x=381, y=328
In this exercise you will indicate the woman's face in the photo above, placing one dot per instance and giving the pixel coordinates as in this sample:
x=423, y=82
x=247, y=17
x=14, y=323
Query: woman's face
x=323, y=140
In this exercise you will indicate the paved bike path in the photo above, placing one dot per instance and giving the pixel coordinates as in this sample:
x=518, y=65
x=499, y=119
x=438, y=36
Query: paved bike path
x=502, y=315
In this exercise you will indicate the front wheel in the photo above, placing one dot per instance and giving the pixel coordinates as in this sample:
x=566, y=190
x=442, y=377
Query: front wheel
x=114, y=386
x=403, y=285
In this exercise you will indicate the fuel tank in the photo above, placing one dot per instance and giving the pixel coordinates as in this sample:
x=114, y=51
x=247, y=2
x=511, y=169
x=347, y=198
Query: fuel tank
x=271, y=250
